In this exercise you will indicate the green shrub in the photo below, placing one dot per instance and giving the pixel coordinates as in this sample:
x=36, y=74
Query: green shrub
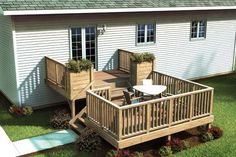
x=60, y=119
x=123, y=153
x=186, y=145
x=21, y=110
x=175, y=144
x=27, y=110
x=142, y=57
x=88, y=141
x=112, y=153
x=79, y=65
x=165, y=151
x=216, y=132
x=205, y=137
x=138, y=154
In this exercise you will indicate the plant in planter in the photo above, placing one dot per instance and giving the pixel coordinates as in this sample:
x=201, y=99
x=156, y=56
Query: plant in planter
x=142, y=57
x=141, y=66
x=79, y=65
x=78, y=77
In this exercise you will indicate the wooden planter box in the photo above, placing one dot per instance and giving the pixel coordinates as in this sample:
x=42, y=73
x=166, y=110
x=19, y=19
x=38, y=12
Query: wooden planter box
x=78, y=83
x=140, y=71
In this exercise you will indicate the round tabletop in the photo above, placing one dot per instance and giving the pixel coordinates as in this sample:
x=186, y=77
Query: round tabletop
x=150, y=89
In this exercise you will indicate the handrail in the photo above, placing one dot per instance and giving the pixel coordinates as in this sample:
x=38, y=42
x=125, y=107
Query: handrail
x=165, y=98
x=204, y=86
x=103, y=99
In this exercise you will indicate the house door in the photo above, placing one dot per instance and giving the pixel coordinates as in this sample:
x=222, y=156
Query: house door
x=83, y=44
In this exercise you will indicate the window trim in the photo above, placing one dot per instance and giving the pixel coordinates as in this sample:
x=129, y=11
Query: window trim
x=145, y=34
x=83, y=38
x=198, y=29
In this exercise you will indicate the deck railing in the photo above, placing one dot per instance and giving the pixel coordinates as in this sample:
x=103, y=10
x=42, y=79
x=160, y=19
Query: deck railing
x=103, y=112
x=69, y=84
x=175, y=85
x=195, y=101
x=124, y=60
x=55, y=72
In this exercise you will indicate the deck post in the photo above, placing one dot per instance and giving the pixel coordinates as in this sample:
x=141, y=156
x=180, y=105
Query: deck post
x=191, y=107
x=120, y=125
x=211, y=104
x=209, y=126
x=171, y=112
x=169, y=137
x=73, y=108
x=148, y=117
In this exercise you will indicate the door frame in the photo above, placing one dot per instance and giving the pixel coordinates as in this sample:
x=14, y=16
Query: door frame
x=83, y=40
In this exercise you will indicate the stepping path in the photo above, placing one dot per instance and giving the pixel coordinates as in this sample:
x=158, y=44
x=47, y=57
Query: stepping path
x=35, y=144
x=7, y=149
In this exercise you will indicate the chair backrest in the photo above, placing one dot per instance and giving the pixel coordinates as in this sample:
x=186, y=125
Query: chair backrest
x=147, y=81
x=127, y=97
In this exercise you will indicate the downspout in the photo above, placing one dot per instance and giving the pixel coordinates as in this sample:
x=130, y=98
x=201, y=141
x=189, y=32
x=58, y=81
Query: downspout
x=234, y=53
x=16, y=60
x=1, y=11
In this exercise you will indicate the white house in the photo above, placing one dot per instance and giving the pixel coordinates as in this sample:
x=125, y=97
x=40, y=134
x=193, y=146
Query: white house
x=190, y=39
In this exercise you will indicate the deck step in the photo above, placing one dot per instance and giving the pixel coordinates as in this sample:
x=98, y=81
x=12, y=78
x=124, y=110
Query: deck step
x=112, y=83
x=79, y=128
x=117, y=92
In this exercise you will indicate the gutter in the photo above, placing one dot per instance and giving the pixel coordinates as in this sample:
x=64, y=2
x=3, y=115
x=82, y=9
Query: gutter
x=116, y=10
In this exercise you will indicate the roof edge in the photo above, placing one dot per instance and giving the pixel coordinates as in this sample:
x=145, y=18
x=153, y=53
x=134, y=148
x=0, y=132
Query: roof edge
x=117, y=10
x=1, y=11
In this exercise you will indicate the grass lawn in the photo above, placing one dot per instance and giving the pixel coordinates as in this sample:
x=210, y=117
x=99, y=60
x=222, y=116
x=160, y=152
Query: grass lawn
x=26, y=126
x=224, y=112
x=225, y=117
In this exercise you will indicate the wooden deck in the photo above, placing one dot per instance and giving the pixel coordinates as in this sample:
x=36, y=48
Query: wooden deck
x=184, y=105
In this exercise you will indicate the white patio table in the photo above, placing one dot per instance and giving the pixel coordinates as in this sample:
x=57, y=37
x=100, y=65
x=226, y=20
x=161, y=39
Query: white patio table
x=150, y=89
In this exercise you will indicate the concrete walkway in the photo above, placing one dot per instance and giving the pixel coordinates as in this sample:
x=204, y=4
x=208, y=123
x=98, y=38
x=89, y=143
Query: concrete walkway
x=34, y=144
x=7, y=149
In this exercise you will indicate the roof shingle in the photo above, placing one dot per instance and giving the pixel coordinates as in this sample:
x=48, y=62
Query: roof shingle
x=14, y=5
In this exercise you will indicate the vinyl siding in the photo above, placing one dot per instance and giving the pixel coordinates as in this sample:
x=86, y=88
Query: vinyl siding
x=39, y=36
x=7, y=61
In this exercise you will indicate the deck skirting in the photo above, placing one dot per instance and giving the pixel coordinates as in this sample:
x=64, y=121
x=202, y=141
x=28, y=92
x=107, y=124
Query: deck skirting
x=149, y=135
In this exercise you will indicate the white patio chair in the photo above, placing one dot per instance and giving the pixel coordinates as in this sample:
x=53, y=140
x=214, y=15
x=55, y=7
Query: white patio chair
x=147, y=81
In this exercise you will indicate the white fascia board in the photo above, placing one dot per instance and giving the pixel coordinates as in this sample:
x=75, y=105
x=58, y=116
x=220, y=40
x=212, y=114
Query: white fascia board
x=1, y=11
x=117, y=10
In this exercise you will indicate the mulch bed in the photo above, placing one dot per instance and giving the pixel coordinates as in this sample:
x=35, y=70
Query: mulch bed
x=150, y=149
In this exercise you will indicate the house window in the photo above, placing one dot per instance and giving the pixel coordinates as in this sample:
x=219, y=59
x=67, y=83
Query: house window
x=76, y=37
x=198, y=29
x=83, y=43
x=145, y=33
